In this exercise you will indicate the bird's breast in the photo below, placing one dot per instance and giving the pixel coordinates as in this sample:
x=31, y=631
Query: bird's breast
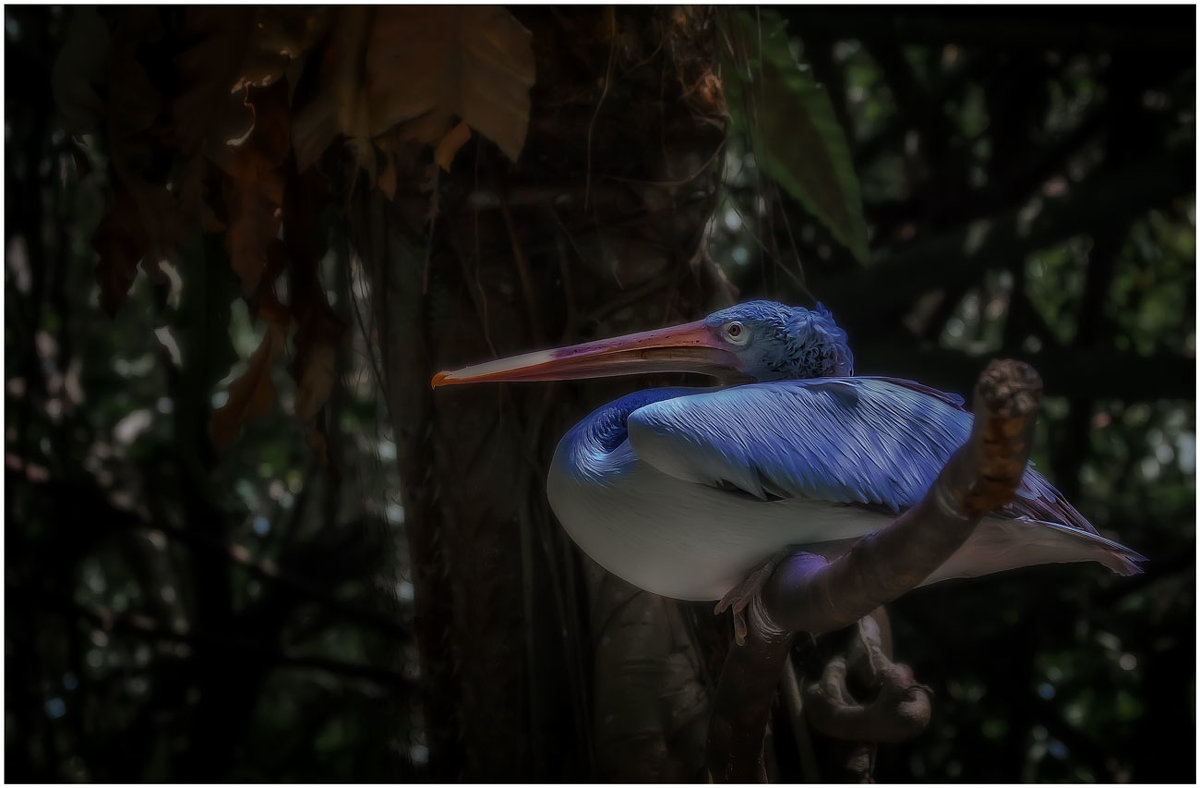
x=673, y=537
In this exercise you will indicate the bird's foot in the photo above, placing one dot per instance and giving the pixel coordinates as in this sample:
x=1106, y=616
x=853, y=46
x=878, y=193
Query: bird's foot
x=741, y=595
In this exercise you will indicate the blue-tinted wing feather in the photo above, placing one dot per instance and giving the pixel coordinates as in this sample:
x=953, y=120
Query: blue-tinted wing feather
x=847, y=440
x=877, y=441
x=1036, y=498
x=954, y=400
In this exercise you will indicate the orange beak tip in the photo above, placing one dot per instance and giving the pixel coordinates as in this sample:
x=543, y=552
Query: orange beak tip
x=440, y=379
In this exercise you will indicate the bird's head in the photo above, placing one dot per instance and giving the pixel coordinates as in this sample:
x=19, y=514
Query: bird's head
x=757, y=340
x=771, y=341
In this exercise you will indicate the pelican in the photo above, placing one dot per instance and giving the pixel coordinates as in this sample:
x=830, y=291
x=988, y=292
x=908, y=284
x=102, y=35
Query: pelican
x=683, y=491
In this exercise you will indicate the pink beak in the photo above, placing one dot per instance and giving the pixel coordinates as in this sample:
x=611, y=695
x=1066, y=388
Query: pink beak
x=690, y=347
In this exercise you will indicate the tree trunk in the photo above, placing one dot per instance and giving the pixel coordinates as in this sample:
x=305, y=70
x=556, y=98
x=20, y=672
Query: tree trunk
x=598, y=225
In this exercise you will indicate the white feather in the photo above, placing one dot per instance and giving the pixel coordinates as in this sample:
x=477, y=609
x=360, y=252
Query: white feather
x=694, y=542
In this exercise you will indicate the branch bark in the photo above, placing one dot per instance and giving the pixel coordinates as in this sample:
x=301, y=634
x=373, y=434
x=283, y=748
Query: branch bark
x=899, y=707
x=806, y=594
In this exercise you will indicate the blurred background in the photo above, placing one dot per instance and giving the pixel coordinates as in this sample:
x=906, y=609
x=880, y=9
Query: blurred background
x=408, y=609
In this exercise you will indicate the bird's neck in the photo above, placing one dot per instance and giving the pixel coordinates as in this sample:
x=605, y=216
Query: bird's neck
x=589, y=444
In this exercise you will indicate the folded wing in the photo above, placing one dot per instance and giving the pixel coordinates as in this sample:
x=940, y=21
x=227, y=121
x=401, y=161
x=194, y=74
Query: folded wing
x=869, y=441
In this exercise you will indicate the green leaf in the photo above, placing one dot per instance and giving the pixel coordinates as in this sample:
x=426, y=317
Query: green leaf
x=789, y=121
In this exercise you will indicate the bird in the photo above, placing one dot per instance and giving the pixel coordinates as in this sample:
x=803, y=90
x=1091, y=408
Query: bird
x=683, y=491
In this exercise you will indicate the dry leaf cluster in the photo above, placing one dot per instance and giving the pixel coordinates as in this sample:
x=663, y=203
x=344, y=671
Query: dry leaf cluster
x=215, y=119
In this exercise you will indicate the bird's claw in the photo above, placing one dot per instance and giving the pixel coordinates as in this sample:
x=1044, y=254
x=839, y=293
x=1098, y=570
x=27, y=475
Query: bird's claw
x=741, y=595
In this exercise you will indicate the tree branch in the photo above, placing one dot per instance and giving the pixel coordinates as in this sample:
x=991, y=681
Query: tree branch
x=853, y=689
x=1069, y=371
x=899, y=707
x=743, y=704
x=1163, y=30
x=964, y=254
x=804, y=593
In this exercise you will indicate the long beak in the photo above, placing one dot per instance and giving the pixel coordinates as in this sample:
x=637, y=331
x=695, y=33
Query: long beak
x=686, y=348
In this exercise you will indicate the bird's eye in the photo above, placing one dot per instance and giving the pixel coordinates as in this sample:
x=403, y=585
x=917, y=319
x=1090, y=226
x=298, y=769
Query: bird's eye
x=736, y=333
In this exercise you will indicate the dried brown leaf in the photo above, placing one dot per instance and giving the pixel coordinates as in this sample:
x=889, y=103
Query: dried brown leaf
x=120, y=246
x=473, y=62
x=338, y=106
x=254, y=186
x=318, y=336
x=316, y=378
x=251, y=395
x=234, y=47
x=445, y=151
x=143, y=224
x=253, y=225
x=425, y=66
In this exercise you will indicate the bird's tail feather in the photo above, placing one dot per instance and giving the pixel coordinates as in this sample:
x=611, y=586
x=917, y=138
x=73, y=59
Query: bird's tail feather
x=1001, y=543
